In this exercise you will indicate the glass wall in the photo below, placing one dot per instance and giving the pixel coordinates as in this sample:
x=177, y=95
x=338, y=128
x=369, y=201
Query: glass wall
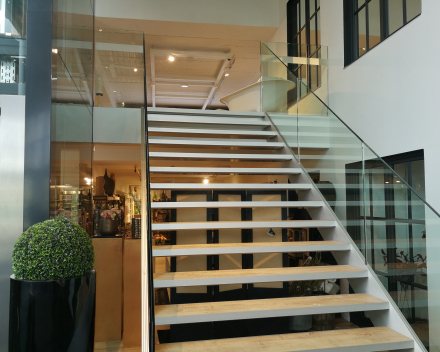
x=72, y=113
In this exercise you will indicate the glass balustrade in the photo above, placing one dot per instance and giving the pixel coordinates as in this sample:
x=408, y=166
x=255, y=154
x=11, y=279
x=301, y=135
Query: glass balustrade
x=393, y=226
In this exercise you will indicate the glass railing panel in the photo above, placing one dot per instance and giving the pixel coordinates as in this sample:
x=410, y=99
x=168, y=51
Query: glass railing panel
x=397, y=239
x=400, y=240
x=305, y=62
x=332, y=156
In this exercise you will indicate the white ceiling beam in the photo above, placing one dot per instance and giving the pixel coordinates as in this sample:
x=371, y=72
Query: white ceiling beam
x=185, y=79
x=195, y=54
x=217, y=82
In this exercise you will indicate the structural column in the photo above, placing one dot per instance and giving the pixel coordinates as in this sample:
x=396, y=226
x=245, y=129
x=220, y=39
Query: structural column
x=38, y=107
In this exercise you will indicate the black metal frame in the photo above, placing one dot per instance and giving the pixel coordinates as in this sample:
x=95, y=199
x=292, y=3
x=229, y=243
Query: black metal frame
x=351, y=26
x=149, y=254
x=294, y=31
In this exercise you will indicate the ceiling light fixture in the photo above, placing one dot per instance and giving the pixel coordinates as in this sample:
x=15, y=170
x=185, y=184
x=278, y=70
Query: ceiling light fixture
x=135, y=70
x=100, y=29
x=171, y=58
x=386, y=182
x=55, y=51
x=398, y=181
x=205, y=181
x=184, y=86
x=123, y=104
x=114, y=91
x=226, y=74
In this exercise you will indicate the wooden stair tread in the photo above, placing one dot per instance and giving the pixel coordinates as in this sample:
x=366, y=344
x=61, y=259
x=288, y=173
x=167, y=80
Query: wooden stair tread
x=246, y=121
x=361, y=340
x=207, y=225
x=214, y=142
x=248, y=248
x=226, y=170
x=227, y=156
x=243, y=204
x=264, y=308
x=226, y=186
x=220, y=277
x=211, y=131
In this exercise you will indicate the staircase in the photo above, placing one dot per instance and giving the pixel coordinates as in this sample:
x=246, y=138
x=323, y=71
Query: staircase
x=232, y=181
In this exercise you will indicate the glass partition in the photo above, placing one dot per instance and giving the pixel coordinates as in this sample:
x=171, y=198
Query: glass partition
x=13, y=18
x=390, y=222
x=72, y=115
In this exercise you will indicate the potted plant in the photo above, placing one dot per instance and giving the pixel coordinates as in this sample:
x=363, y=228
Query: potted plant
x=301, y=289
x=52, y=295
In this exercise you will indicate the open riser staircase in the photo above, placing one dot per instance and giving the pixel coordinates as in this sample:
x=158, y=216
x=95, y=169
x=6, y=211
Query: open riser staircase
x=231, y=259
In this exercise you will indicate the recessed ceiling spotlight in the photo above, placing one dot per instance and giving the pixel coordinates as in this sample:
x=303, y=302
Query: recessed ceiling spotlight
x=123, y=104
x=100, y=29
x=398, y=181
x=135, y=70
x=387, y=182
x=114, y=91
x=55, y=51
x=226, y=74
x=205, y=181
x=184, y=86
x=171, y=58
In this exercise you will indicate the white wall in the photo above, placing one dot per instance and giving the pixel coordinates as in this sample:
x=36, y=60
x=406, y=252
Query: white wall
x=389, y=97
x=280, y=35
x=264, y=13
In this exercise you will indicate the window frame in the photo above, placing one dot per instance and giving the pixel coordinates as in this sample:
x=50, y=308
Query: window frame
x=351, y=26
x=294, y=31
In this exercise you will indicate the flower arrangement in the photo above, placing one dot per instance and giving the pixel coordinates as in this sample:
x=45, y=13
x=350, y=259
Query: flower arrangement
x=306, y=288
x=159, y=240
x=113, y=214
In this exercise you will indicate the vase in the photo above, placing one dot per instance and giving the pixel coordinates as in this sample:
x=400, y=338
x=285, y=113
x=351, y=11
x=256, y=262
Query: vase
x=108, y=227
x=300, y=323
x=52, y=315
x=323, y=322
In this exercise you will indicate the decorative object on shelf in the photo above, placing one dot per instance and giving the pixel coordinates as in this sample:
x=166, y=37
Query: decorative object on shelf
x=52, y=263
x=136, y=228
x=270, y=233
x=109, y=184
x=159, y=240
x=109, y=222
x=304, y=288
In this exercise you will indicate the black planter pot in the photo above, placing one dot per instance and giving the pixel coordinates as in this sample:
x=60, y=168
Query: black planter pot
x=52, y=316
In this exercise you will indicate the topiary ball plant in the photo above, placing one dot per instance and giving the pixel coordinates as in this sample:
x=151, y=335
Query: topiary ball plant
x=53, y=250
